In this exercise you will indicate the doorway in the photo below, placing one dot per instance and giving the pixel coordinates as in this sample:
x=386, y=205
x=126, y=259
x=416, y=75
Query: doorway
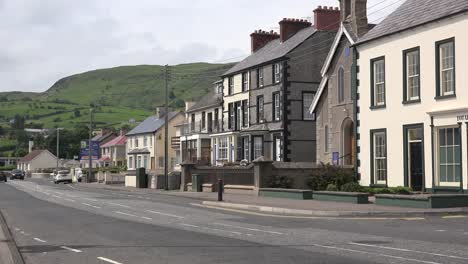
x=347, y=146
x=414, y=156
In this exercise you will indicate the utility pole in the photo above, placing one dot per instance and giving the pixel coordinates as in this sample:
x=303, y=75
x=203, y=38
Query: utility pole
x=166, y=129
x=58, y=153
x=90, y=145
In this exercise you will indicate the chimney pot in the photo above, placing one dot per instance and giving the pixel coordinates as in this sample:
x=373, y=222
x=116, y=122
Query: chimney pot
x=260, y=38
x=290, y=26
x=327, y=18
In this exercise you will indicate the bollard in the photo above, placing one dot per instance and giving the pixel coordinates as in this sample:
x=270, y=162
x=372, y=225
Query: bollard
x=220, y=190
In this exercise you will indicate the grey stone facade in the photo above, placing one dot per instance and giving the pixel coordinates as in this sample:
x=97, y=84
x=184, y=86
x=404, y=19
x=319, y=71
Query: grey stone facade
x=334, y=114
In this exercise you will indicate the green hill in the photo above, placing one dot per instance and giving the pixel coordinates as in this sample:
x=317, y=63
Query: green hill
x=121, y=93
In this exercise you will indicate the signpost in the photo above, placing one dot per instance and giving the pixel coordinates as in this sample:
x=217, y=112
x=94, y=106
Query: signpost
x=84, y=150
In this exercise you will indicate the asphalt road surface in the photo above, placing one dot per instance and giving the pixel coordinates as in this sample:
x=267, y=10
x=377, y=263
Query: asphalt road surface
x=74, y=224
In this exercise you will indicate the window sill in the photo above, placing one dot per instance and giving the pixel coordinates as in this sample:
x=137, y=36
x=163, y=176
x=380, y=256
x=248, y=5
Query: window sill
x=374, y=107
x=411, y=102
x=441, y=97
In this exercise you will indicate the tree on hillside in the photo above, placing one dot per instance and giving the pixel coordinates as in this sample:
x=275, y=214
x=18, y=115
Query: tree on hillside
x=18, y=122
x=77, y=112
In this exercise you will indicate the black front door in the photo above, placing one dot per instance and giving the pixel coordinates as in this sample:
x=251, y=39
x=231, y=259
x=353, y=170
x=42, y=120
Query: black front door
x=414, y=156
x=416, y=165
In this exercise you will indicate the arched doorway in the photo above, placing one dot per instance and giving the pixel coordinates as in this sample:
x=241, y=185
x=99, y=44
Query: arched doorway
x=347, y=142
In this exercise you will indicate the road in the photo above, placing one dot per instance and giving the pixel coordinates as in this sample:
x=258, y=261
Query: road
x=77, y=224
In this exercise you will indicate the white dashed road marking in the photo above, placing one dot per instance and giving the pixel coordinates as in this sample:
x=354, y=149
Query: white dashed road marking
x=89, y=199
x=250, y=229
x=190, y=225
x=40, y=240
x=71, y=249
x=121, y=205
x=109, y=260
x=408, y=250
x=165, y=214
x=375, y=254
x=132, y=215
x=70, y=200
x=90, y=205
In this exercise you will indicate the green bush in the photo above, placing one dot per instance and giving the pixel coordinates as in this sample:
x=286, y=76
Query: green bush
x=401, y=190
x=332, y=188
x=7, y=168
x=328, y=174
x=351, y=187
x=281, y=182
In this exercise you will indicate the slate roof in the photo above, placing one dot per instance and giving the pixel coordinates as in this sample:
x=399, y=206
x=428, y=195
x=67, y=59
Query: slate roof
x=414, y=13
x=150, y=125
x=103, y=137
x=139, y=151
x=272, y=51
x=210, y=99
x=32, y=155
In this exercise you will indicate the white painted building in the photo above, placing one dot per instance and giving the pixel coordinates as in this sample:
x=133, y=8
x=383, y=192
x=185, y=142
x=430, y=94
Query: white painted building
x=37, y=159
x=413, y=98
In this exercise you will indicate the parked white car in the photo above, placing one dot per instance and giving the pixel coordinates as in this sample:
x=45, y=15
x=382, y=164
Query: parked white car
x=63, y=176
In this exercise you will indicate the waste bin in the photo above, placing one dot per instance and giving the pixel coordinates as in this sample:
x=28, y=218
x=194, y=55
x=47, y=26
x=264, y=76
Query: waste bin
x=141, y=178
x=197, y=183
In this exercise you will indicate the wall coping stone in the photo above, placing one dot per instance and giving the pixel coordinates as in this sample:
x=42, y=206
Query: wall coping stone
x=283, y=190
x=341, y=193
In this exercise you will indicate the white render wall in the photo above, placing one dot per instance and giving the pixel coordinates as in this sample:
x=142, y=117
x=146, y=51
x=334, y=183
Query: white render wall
x=396, y=114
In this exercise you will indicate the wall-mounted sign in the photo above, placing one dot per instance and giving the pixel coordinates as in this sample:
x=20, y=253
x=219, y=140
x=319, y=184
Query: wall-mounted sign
x=462, y=118
x=335, y=158
x=84, y=150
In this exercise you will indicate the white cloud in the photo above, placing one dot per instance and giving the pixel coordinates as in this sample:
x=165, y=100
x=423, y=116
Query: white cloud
x=45, y=40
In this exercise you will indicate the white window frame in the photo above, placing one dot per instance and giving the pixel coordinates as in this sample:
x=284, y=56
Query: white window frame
x=223, y=148
x=277, y=72
x=412, y=75
x=449, y=69
x=379, y=178
x=245, y=81
x=130, y=162
x=277, y=106
x=261, y=79
x=379, y=82
x=306, y=102
x=438, y=159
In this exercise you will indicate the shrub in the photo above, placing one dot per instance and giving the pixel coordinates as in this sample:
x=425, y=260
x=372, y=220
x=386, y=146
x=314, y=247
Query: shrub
x=332, y=188
x=281, y=182
x=328, y=174
x=401, y=190
x=351, y=187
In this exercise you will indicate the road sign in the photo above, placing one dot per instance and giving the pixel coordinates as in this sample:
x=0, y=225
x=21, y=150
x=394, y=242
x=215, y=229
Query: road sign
x=84, y=150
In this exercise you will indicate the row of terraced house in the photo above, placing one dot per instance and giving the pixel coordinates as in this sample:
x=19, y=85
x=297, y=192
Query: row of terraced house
x=388, y=100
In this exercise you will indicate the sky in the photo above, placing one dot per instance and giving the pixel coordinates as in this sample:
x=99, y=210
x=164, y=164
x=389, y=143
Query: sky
x=45, y=40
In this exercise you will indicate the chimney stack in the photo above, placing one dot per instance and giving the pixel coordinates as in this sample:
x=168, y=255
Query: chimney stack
x=260, y=38
x=327, y=18
x=290, y=26
x=31, y=145
x=160, y=113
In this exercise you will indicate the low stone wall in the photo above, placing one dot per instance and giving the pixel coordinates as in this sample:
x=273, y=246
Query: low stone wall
x=423, y=201
x=346, y=197
x=286, y=193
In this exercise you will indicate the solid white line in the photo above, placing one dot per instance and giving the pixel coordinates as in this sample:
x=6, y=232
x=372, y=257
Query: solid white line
x=119, y=205
x=454, y=216
x=377, y=254
x=189, y=225
x=441, y=230
x=159, y=213
x=109, y=260
x=132, y=215
x=250, y=229
x=147, y=218
x=71, y=249
x=90, y=205
x=40, y=240
x=89, y=199
x=408, y=250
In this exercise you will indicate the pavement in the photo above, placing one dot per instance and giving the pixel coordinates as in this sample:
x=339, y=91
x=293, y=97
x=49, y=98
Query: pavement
x=289, y=207
x=9, y=253
x=77, y=224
